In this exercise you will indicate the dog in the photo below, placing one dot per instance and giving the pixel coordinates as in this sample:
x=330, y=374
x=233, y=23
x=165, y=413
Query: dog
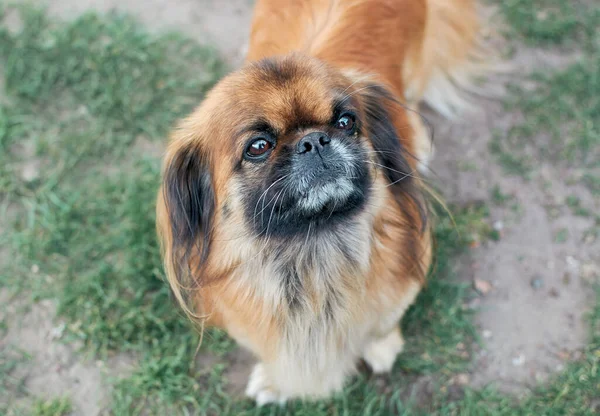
x=292, y=211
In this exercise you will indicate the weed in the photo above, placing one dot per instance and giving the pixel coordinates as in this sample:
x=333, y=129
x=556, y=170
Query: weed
x=561, y=236
x=574, y=202
x=592, y=182
x=54, y=407
x=499, y=197
x=514, y=164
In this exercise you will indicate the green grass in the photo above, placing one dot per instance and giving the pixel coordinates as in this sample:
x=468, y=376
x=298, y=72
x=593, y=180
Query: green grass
x=565, y=105
x=550, y=21
x=114, y=71
x=11, y=385
x=561, y=236
x=561, y=119
x=55, y=407
x=592, y=182
x=513, y=163
x=574, y=202
x=87, y=222
x=80, y=96
x=560, y=108
x=498, y=197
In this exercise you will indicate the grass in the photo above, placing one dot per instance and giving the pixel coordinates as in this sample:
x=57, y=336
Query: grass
x=561, y=236
x=574, y=202
x=55, y=407
x=547, y=22
x=87, y=223
x=560, y=109
x=11, y=385
x=592, y=182
x=498, y=197
x=566, y=106
x=513, y=164
x=83, y=99
x=561, y=115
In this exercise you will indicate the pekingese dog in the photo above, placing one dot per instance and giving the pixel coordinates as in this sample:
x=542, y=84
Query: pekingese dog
x=291, y=212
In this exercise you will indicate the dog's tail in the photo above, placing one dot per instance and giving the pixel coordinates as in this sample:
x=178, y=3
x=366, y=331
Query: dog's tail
x=449, y=59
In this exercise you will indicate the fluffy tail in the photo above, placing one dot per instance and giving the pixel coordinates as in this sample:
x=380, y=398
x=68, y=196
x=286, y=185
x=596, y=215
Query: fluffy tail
x=450, y=57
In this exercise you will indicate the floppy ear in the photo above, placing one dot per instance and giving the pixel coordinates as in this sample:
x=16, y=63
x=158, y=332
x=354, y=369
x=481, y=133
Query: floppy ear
x=392, y=156
x=185, y=212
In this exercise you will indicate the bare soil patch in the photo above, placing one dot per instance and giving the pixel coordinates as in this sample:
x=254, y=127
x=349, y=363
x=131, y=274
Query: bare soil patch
x=55, y=369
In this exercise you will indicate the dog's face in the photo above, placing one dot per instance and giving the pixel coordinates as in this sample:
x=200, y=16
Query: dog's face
x=302, y=158
x=289, y=147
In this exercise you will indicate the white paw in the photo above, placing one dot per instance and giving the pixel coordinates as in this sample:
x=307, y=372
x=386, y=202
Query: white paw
x=260, y=388
x=381, y=353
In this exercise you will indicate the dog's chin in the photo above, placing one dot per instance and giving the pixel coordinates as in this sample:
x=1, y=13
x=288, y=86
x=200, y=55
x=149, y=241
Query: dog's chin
x=323, y=207
x=325, y=198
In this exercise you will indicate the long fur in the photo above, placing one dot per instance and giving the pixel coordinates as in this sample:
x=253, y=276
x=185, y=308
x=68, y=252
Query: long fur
x=310, y=305
x=450, y=58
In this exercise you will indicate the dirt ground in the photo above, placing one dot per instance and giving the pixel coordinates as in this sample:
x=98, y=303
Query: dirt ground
x=531, y=318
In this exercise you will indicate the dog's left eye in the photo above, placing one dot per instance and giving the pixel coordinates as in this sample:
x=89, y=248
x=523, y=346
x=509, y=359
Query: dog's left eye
x=345, y=122
x=258, y=147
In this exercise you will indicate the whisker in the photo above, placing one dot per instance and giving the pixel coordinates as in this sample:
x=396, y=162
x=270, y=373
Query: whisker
x=397, y=171
x=272, y=211
x=307, y=233
x=407, y=175
x=354, y=83
x=357, y=91
x=332, y=209
x=264, y=194
x=263, y=206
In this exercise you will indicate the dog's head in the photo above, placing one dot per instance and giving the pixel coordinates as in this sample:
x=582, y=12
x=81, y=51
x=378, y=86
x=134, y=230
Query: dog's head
x=280, y=149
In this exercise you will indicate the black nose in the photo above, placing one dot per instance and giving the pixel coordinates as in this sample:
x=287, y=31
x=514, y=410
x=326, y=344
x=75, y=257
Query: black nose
x=313, y=142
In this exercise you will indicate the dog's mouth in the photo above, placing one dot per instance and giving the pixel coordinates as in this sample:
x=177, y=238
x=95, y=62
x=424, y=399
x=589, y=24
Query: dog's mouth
x=322, y=204
x=325, y=195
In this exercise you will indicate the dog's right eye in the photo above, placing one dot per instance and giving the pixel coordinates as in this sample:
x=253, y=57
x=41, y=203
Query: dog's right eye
x=258, y=148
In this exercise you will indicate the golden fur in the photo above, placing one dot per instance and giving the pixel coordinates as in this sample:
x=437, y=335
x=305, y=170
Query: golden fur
x=344, y=307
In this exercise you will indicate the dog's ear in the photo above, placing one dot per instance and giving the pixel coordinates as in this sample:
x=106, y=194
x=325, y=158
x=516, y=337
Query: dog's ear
x=185, y=215
x=378, y=104
x=380, y=107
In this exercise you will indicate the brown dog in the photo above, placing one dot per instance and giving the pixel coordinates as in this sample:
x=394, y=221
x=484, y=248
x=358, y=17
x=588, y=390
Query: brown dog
x=291, y=212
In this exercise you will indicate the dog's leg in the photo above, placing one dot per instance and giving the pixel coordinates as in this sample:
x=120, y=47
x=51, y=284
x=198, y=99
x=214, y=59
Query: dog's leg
x=381, y=353
x=385, y=339
x=261, y=389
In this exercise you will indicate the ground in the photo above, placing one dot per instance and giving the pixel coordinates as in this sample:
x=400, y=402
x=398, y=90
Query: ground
x=517, y=266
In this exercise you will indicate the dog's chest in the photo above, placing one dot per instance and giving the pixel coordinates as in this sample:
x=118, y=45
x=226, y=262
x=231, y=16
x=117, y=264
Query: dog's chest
x=316, y=300
x=323, y=332
x=320, y=298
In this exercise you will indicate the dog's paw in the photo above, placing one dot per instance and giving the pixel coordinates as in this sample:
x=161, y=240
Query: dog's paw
x=381, y=353
x=260, y=388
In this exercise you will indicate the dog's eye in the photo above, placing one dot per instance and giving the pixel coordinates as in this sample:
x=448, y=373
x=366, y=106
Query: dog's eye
x=258, y=147
x=345, y=122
